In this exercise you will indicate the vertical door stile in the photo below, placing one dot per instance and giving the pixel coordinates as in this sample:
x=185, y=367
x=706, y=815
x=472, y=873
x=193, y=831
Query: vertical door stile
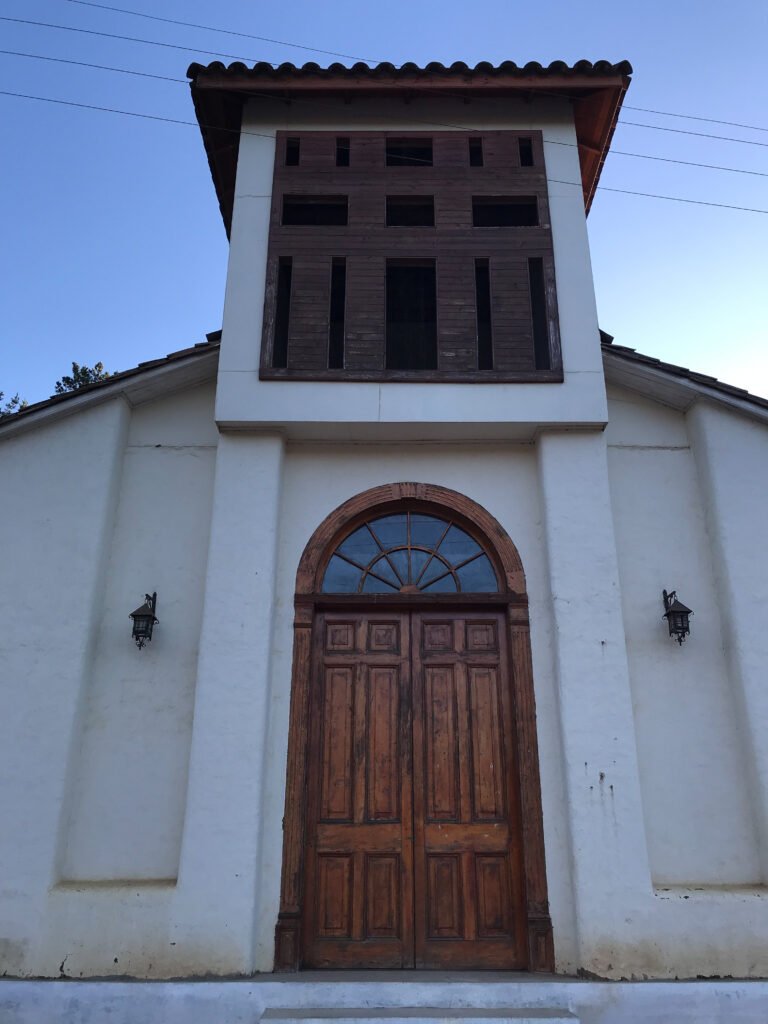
x=405, y=776
x=314, y=760
x=360, y=767
x=513, y=790
x=419, y=795
x=466, y=866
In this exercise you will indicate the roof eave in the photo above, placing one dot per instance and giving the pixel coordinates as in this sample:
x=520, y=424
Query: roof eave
x=152, y=380
x=677, y=387
x=219, y=94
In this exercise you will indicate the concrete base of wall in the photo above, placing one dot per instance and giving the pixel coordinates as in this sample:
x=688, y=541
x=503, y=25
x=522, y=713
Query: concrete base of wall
x=425, y=998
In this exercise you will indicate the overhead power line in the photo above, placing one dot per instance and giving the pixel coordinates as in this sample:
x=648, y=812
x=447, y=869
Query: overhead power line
x=463, y=128
x=126, y=113
x=224, y=31
x=695, y=117
x=654, y=195
x=194, y=124
x=231, y=56
x=667, y=159
x=699, y=135
x=96, y=67
x=357, y=57
x=127, y=39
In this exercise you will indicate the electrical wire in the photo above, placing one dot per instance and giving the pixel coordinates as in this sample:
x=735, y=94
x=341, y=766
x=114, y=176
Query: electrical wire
x=97, y=67
x=127, y=39
x=231, y=56
x=699, y=135
x=654, y=195
x=265, y=135
x=127, y=113
x=224, y=31
x=695, y=117
x=367, y=60
x=463, y=128
x=668, y=160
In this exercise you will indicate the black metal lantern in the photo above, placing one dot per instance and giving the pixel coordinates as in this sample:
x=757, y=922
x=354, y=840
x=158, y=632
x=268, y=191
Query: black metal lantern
x=677, y=616
x=144, y=620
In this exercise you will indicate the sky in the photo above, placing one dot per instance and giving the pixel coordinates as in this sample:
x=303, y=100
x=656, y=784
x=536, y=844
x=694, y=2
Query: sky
x=112, y=247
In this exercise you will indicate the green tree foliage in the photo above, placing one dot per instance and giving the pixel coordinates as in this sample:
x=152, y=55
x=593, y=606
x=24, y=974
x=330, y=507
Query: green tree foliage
x=13, y=405
x=81, y=376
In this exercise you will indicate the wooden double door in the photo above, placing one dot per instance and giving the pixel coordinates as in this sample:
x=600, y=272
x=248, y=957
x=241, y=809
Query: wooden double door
x=413, y=831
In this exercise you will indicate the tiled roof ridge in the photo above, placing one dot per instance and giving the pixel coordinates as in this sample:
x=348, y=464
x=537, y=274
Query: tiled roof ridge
x=458, y=67
x=200, y=348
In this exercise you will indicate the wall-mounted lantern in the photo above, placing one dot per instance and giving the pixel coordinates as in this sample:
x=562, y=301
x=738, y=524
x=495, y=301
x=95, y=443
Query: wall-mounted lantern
x=144, y=620
x=677, y=616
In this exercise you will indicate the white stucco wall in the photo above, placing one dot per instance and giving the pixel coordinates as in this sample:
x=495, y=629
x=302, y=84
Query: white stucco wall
x=101, y=506
x=129, y=783
x=731, y=454
x=375, y=411
x=698, y=811
x=146, y=788
x=704, y=910
x=60, y=487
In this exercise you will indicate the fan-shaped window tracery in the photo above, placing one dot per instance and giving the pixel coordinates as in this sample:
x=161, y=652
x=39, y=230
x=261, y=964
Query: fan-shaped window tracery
x=408, y=552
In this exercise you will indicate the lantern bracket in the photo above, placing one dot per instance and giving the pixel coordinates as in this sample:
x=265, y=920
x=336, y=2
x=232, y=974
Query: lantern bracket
x=677, y=615
x=144, y=620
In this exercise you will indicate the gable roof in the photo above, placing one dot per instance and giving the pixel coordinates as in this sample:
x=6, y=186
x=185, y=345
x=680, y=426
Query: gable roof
x=152, y=378
x=673, y=385
x=219, y=93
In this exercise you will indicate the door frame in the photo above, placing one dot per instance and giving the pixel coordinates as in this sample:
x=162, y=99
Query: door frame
x=441, y=501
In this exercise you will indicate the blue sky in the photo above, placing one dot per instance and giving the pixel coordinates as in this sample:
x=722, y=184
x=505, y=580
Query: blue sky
x=112, y=243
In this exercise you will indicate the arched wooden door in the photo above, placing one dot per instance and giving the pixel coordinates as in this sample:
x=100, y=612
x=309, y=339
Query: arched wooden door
x=413, y=821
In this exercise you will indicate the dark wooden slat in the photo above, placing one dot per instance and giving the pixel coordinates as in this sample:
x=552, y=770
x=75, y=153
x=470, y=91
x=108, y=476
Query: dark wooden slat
x=310, y=308
x=366, y=242
x=403, y=376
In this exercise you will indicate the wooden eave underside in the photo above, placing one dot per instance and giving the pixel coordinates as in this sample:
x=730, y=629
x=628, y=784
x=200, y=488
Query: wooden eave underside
x=160, y=379
x=678, y=391
x=219, y=97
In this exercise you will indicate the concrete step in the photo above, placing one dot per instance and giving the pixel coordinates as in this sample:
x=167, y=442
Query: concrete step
x=420, y=1015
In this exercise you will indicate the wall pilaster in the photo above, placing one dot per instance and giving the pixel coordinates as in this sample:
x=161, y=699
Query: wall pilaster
x=609, y=858
x=219, y=874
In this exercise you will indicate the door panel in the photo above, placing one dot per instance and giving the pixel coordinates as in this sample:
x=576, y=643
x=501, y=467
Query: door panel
x=358, y=887
x=441, y=728
x=336, y=793
x=413, y=833
x=469, y=905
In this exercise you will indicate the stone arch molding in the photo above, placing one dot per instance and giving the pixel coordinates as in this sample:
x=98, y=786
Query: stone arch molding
x=513, y=599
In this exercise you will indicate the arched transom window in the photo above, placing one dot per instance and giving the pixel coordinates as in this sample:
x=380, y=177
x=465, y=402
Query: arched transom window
x=409, y=552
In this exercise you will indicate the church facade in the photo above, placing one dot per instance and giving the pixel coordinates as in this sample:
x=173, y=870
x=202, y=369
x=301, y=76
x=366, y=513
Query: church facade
x=416, y=530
